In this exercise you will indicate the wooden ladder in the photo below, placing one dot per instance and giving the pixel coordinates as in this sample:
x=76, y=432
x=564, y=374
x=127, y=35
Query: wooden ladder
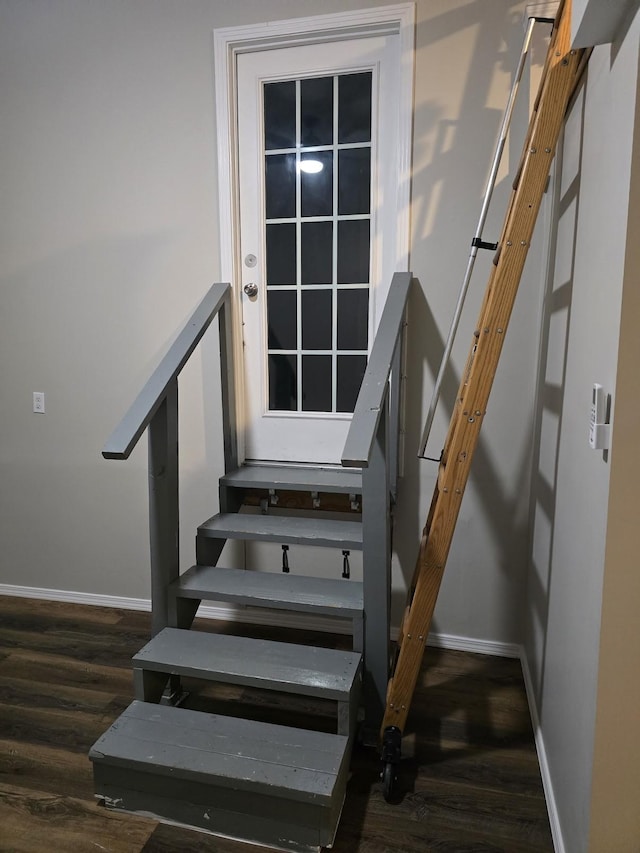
x=559, y=78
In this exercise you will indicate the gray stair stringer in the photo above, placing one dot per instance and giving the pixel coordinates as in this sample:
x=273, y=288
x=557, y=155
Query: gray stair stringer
x=255, y=782
x=321, y=596
x=283, y=667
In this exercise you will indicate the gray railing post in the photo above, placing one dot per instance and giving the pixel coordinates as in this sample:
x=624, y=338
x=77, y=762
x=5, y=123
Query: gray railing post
x=395, y=410
x=373, y=444
x=376, y=559
x=163, y=505
x=228, y=386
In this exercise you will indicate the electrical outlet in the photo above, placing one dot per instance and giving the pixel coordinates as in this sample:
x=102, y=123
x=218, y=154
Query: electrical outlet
x=38, y=402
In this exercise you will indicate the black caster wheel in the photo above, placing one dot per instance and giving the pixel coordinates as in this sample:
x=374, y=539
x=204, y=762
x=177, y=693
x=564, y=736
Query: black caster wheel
x=388, y=777
x=391, y=749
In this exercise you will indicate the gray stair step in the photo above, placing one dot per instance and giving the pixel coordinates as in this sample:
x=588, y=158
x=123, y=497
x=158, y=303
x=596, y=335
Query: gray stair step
x=323, y=596
x=284, y=529
x=294, y=478
x=286, y=667
x=243, y=779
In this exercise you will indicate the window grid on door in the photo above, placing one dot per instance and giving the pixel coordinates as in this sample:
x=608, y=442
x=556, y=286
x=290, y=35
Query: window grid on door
x=317, y=297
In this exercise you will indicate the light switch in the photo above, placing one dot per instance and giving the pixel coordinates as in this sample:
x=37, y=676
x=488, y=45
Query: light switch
x=598, y=427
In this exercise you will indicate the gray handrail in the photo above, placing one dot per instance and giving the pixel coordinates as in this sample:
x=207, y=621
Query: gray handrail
x=156, y=408
x=126, y=435
x=375, y=384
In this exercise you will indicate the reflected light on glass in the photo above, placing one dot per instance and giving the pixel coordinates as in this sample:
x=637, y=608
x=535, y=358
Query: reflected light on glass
x=311, y=167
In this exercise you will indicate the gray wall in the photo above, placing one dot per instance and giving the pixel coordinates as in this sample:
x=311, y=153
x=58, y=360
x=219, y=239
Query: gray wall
x=571, y=482
x=615, y=790
x=109, y=236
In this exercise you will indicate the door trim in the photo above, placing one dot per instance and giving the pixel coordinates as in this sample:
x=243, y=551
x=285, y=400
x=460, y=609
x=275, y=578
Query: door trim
x=229, y=42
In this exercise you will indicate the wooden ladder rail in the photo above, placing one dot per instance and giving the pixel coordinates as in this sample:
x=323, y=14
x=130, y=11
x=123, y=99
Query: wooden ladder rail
x=559, y=79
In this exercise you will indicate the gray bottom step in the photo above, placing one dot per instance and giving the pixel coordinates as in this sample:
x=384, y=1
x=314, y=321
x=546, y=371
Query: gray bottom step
x=253, y=781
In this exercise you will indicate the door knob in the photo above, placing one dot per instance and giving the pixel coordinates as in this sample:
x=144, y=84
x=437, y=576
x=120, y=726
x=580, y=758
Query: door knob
x=251, y=289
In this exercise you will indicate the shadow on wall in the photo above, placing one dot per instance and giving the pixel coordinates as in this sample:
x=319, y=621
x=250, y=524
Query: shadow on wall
x=551, y=383
x=449, y=177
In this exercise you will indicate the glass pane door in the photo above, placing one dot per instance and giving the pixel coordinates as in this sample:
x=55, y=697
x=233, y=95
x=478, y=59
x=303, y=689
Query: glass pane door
x=317, y=194
x=317, y=191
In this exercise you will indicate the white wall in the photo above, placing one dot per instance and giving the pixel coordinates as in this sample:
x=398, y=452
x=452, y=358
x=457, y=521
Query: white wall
x=594, y=22
x=108, y=237
x=571, y=482
x=615, y=791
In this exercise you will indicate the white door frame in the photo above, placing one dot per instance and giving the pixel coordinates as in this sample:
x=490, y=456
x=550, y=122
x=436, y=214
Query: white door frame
x=229, y=42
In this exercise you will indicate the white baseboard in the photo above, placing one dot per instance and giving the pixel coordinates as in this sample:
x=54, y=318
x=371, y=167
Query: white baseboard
x=70, y=597
x=554, y=817
x=226, y=613
x=260, y=617
x=472, y=644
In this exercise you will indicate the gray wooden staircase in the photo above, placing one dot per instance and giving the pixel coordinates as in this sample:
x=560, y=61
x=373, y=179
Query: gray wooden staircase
x=261, y=782
x=243, y=776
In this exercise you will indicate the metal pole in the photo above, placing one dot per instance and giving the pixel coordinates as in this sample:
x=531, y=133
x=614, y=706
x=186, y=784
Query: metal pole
x=477, y=243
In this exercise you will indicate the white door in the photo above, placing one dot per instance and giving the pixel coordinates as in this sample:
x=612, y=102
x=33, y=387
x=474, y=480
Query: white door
x=318, y=176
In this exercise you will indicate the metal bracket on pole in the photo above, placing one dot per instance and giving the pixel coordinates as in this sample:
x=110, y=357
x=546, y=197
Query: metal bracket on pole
x=482, y=244
x=544, y=11
x=477, y=242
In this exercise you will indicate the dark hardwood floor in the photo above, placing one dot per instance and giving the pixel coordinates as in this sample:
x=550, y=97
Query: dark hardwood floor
x=470, y=778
